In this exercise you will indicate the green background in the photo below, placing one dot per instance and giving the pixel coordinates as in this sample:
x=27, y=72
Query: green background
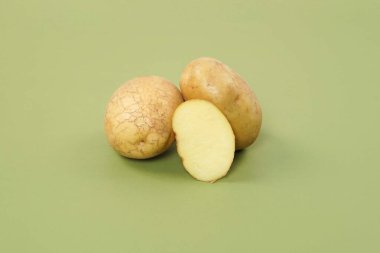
x=309, y=184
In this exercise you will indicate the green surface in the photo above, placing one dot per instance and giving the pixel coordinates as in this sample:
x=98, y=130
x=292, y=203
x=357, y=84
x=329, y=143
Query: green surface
x=309, y=184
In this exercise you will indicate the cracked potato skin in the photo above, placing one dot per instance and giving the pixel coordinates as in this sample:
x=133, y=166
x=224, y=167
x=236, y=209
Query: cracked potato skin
x=209, y=79
x=138, y=119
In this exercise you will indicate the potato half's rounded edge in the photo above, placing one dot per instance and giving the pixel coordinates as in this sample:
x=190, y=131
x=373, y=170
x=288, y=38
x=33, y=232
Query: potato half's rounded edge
x=205, y=140
x=138, y=118
x=209, y=79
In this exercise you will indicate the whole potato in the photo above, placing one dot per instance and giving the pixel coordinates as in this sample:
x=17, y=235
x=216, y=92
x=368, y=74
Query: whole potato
x=138, y=119
x=211, y=80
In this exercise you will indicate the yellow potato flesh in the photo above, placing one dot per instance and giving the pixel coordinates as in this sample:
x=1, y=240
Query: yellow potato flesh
x=205, y=140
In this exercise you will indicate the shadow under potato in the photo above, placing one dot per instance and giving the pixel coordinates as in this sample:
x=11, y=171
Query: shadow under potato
x=270, y=157
x=267, y=157
x=167, y=163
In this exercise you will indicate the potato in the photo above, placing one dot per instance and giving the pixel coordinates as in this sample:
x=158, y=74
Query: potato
x=205, y=140
x=211, y=80
x=138, y=119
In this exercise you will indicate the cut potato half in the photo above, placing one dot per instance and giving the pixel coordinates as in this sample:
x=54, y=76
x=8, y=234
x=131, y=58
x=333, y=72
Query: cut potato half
x=205, y=140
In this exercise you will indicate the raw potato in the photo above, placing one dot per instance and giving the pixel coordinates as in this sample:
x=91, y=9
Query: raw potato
x=205, y=140
x=211, y=80
x=138, y=120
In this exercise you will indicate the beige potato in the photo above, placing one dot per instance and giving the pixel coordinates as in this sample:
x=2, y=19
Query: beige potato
x=211, y=80
x=138, y=119
x=205, y=140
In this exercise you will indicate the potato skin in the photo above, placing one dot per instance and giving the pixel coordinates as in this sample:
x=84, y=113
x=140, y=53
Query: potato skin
x=211, y=80
x=138, y=118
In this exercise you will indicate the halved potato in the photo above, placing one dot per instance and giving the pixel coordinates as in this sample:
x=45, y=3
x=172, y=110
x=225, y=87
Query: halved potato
x=205, y=140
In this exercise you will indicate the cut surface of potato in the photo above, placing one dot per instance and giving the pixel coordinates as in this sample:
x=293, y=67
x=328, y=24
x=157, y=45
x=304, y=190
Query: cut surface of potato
x=205, y=140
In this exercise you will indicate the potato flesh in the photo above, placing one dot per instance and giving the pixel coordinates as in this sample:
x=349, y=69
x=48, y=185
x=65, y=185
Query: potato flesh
x=205, y=140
